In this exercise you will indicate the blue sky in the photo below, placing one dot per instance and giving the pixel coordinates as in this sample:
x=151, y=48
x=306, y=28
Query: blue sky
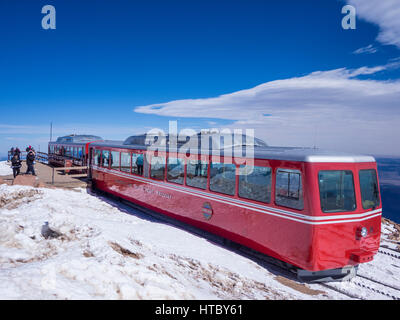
x=118, y=67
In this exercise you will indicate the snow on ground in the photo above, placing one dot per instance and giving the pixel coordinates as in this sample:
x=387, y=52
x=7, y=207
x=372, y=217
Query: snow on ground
x=390, y=235
x=5, y=168
x=111, y=251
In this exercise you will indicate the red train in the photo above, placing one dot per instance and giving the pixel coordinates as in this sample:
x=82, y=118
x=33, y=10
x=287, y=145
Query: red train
x=71, y=150
x=317, y=211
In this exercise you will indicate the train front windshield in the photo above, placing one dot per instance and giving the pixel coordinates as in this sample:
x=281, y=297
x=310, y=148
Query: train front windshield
x=369, y=189
x=337, y=190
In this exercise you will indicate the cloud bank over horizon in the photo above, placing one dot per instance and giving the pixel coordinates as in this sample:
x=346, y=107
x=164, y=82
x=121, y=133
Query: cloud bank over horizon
x=334, y=109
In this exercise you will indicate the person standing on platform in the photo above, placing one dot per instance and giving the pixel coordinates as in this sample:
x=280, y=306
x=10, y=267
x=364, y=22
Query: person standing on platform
x=30, y=162
x=16, y=164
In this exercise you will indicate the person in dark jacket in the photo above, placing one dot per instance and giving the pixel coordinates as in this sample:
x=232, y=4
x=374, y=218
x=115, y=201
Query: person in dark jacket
x=18, y=152
x=30, y=161
x=16, y=164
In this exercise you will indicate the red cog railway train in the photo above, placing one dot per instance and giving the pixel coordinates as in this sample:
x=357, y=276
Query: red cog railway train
x=71, y=150
x=315, y=210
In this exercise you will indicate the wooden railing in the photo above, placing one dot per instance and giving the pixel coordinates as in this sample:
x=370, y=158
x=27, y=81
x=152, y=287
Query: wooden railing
x=22, y=155
x=43, y=157
x=40, y=156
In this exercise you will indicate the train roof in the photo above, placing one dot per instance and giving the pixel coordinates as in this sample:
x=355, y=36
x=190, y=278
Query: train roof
x=261, y=151
x=77, y=139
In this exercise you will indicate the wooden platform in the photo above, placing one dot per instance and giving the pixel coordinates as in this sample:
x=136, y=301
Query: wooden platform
x=45, y=174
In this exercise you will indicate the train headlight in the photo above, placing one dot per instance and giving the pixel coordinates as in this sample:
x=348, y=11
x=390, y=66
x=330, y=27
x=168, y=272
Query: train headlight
x=362, y=232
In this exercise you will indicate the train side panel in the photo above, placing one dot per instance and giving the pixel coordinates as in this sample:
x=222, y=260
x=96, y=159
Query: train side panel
x=309, y=238
x=282, y=236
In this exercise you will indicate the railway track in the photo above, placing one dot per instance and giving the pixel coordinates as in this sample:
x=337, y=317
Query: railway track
x=389, y=252
x=339, y=290
x=394, y=287
x=369, y=284
x=375, y=286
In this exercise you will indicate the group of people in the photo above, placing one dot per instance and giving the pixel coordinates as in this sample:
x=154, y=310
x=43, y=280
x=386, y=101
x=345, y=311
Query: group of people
x=16, y=162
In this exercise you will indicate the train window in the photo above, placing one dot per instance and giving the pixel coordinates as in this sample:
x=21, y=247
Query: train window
x=114, y=160
x=369, y=189
x=336, y=188
x=105, y=158
x=157, y=170
x=81, y=153
x=223, y=178
x=97, y=157
x=137, y=164
x=176, y=170
x=289, y=189
x=126, y=162
x=196, y=174
x=75, y=153
x=255, y=183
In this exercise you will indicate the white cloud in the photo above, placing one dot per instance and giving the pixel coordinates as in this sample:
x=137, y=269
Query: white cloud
x=385, y=14
x=333, y=109
x=368, y=49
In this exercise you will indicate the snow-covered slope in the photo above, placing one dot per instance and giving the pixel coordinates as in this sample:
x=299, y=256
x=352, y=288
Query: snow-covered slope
x=5, y=168
x=111, y=251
